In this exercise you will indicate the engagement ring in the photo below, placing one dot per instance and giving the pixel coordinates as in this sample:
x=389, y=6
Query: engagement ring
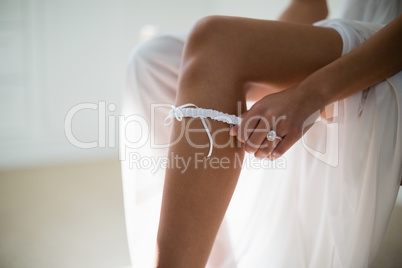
x=271, y=136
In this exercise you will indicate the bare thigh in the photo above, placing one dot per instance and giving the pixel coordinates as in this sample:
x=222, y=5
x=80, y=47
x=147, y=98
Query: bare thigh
x=228, y=54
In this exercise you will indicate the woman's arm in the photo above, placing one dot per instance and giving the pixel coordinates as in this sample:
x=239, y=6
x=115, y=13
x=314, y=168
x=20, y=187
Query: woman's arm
x=373, y=61
x=305, y=11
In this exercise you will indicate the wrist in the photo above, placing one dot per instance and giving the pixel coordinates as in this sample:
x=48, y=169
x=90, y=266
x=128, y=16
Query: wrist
x=318, y=95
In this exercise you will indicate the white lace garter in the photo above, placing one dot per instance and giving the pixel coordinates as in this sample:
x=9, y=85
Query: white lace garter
x=186, y=111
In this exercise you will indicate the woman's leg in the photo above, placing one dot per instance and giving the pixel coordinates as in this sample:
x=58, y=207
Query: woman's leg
x=152, y=74
x=221, y=57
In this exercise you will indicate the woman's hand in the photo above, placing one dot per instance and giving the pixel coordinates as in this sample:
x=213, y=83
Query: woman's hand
x=284, y=112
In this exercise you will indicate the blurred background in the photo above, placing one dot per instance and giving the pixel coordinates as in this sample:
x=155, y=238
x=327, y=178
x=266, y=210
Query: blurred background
x=63, y=63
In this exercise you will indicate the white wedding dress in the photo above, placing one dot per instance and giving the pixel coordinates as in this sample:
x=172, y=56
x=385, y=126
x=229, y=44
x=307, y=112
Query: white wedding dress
x=326, y=203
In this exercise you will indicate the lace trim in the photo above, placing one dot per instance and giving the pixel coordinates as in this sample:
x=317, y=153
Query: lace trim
x=185, y=111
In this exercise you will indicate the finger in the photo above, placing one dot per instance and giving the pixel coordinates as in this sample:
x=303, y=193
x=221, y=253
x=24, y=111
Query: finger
x=247, y=127
x=233, y=130
x=266, y=148
x=284, y=145
x=257, y=137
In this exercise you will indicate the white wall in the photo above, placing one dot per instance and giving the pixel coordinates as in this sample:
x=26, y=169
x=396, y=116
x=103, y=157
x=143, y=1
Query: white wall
x=56, y=54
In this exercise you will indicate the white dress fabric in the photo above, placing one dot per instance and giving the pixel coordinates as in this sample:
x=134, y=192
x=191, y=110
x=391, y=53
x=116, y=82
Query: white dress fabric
x=325, y=203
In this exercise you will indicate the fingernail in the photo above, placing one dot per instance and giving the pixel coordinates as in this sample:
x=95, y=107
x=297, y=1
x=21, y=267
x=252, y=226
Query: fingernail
x=231, y=130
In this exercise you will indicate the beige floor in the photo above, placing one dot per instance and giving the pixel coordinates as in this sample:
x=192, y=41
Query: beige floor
x=71, y=216
x=62, y=217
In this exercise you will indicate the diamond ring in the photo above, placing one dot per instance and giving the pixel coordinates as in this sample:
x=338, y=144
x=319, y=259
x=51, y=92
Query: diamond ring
x=271, y=136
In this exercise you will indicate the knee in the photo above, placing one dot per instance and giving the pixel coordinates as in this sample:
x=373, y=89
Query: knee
x=209, y=33
x=209, y=47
